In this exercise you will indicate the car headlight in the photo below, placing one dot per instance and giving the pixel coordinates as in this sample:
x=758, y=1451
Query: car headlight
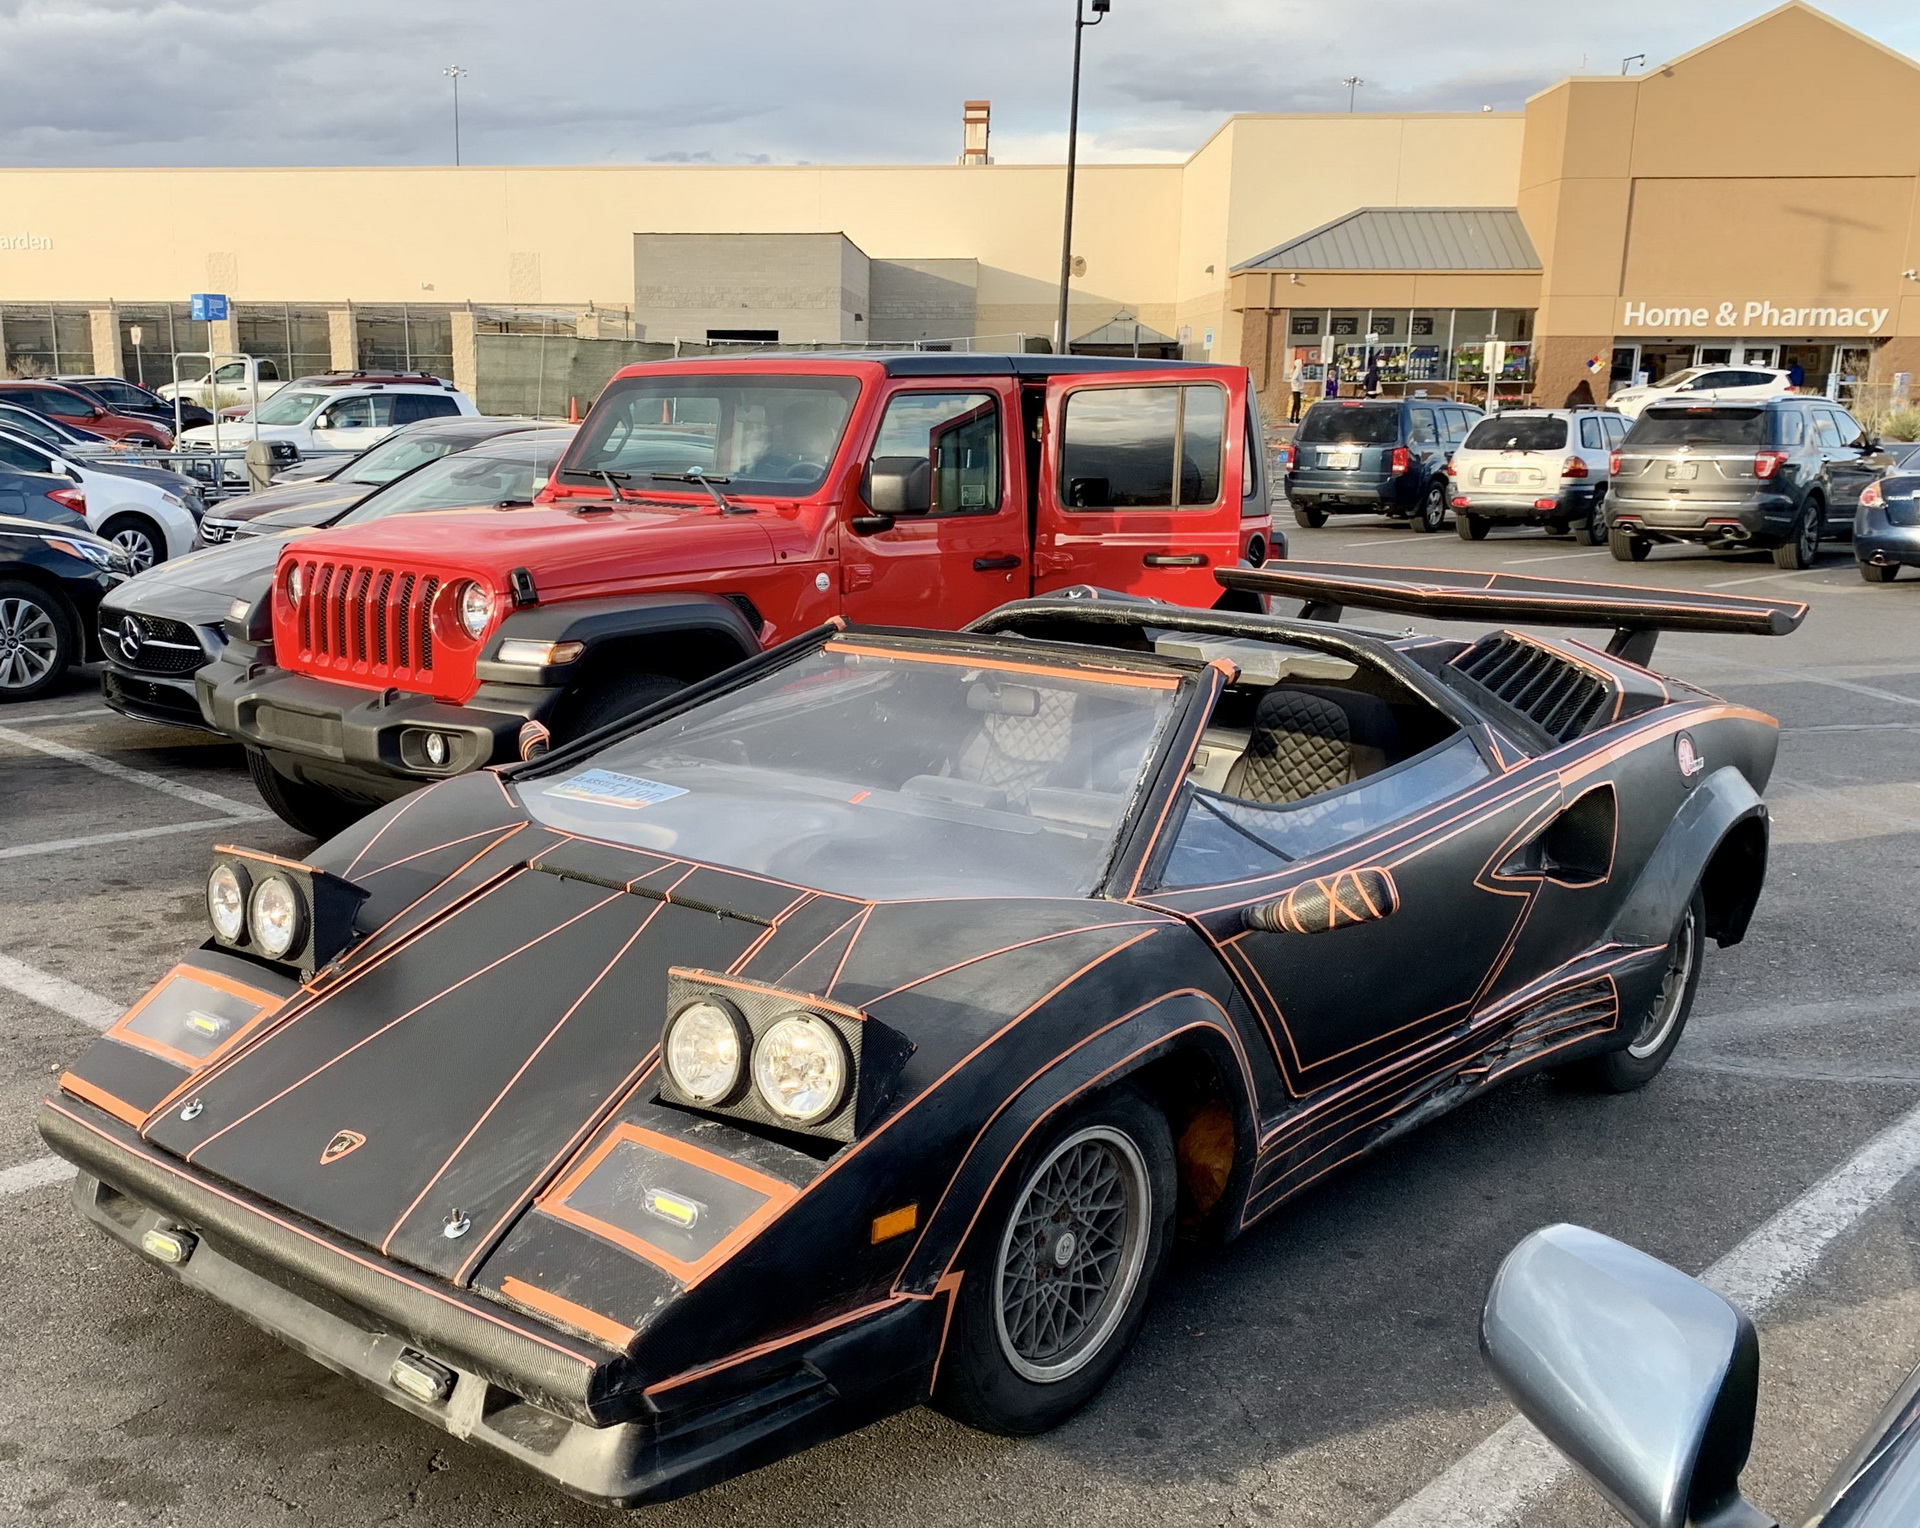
x=474, y=607
x=227, y=888
x=101, y=554
x=706, y=1050
x=276, y=917
x=296, y=584
x=800, y=1068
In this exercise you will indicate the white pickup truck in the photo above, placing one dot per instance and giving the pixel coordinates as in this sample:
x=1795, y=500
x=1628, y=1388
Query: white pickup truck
x=230, y=384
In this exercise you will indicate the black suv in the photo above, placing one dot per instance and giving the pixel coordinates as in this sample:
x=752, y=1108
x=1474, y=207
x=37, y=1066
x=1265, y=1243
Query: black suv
x=1376, y=457
x=1780, y=473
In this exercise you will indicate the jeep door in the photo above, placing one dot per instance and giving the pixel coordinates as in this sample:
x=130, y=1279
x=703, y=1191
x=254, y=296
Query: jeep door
x=1140, y=488
x=951, y=451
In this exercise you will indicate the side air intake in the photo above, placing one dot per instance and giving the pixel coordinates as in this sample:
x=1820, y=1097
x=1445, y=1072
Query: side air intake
x=1563, y=699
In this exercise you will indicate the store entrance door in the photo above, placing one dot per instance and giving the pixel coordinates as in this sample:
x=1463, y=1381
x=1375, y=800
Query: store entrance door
x=1661, y=361
x=1760, y=355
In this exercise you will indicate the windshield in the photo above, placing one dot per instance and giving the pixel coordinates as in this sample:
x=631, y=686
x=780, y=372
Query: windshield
x=28, y=423
x=883, y=773
x=1348, y=424
x=772, y=435
x=289, y=408
x=393, y=457
x=483, y=478
x=1518, y=432
x=1674, y=379
x=1699, y=427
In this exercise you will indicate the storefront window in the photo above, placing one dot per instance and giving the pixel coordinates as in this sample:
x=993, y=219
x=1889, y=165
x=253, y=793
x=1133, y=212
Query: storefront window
x=295, y=339
x=1308, y=326
x=44, y=340
x=1347, y=323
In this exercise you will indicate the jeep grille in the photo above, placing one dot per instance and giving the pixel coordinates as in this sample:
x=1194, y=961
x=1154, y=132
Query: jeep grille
x=367, y=620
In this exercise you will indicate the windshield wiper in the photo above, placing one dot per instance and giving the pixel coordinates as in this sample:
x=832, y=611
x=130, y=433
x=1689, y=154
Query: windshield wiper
x=707, y=481
x=604, y=476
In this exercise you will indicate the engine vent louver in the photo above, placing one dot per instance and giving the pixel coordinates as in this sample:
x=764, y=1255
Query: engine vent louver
x=1564, y=700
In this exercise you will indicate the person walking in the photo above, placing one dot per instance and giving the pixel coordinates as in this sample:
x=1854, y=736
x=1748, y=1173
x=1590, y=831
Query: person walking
x=1581, y=397
x=1372, y=382
x=1796, y=376
x=1297, y=385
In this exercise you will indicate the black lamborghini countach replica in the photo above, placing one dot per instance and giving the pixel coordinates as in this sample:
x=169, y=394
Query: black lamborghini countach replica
x=859, y=1028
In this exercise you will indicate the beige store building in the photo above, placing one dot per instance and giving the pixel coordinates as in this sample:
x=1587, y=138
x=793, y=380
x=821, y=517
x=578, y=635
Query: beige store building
x=1613, y=225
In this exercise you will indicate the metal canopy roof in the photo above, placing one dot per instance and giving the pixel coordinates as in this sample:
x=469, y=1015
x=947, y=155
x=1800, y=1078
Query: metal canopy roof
x=1408, y=239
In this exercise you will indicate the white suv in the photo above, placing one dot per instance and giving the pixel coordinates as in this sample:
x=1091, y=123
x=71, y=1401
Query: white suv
x=1546, y=467
x=336, y=415
x=1704, y=384
x=149, y=513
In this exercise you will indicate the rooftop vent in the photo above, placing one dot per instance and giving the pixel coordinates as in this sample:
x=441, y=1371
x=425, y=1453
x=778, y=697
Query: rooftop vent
x=1564, y=700
x=975, y=125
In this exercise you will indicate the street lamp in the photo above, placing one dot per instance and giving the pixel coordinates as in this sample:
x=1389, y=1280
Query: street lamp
x=1353, y=82
x=455, y=73
x=1080, y=24
x=1626, y=64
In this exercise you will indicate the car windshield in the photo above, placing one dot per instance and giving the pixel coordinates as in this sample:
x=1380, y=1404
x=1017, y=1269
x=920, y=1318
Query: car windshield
x=1518, y=432
x=289, y=407
x=507, y=472
x=393, y=457
x=1674, y=379
x=771, y=435
x=1350, y=424
x=883, y=772
x=1699, y=427
x=29, y=423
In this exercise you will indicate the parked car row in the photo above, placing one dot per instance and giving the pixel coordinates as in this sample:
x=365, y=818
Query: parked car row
x=334, y=415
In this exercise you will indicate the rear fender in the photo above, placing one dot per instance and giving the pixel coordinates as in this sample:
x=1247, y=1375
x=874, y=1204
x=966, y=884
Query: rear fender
x=1718, y=842
x=715, y=626
x=1186, y=1027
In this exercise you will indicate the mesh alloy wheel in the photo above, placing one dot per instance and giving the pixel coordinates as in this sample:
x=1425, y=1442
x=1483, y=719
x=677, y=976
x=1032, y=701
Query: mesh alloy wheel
x=29, y=643
x=1682, y=955
x=138, y=545
x=1072, y=1254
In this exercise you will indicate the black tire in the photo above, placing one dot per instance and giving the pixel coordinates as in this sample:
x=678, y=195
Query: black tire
x=309, y=809
x=142, y=540
x=1657, y=1031
x=1879, y=573
x=1431, y=516
x=1627, y=547
x=608, y=701
x=999, y=1373
x=1559, y=528
x=1592, y=530
x=1309, y=519
x=38, y=640
x=1472, y=527
x=1802, y=548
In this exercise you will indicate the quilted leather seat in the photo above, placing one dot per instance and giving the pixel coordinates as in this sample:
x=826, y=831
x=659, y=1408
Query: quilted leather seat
x=1308, y=740
x=1025, y=739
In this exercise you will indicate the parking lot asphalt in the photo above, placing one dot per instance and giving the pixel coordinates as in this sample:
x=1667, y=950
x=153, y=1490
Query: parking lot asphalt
x=1320, y=1371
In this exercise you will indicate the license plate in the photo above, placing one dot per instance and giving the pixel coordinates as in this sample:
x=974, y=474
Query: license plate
x=1341, y=459
x=1682, y=472
x=1506, y=477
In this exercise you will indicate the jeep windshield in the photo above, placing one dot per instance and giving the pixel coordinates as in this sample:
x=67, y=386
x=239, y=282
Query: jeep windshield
x=763, y=435
x=1350, y=424
x=882, y=772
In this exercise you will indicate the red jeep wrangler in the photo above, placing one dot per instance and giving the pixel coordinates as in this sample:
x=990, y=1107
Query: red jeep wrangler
x=710, y=508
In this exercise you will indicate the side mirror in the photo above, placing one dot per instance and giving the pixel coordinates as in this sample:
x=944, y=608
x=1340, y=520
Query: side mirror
x=1644, y=1378
x=1337, y=901
x=899, y=485
x=324, y=422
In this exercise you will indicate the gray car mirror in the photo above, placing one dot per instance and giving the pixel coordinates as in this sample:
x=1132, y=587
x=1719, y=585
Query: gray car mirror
x=1644, y=1378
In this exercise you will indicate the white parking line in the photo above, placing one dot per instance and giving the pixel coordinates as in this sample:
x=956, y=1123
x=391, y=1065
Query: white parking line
x=238, y=811
x=58, y=716
x=35, y=1174
x=59, y=994
x=1553, y=557
x=1802, y=674
x=1386, y=540
x=52, y=845
x=1497, y=1481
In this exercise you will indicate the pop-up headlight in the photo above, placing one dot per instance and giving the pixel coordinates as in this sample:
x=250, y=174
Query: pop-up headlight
x=294, y=915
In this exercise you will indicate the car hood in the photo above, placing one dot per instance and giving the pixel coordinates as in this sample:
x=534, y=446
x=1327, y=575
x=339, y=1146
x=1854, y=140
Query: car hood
x=157, y=477
x=582, y=554
x=334, y=497
x=199, y=587
x=236, y=433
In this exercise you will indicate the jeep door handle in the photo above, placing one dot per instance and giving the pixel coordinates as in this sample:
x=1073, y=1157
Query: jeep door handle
x=1175, y=560
x=995, y=564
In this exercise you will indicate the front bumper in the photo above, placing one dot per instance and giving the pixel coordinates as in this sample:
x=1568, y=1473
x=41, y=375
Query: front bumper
x=572, y=1412
x=151, y=698
x=1763, y=520
x=369, y=742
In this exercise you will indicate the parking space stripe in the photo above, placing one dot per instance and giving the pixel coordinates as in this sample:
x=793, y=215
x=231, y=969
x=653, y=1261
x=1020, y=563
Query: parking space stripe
x=1501, y=1478
x=1514, y=562
x=238, y=811
x=21, y=851
x=59, y=994
x=58, y=716
x=1697, y=654
x=38, y=1173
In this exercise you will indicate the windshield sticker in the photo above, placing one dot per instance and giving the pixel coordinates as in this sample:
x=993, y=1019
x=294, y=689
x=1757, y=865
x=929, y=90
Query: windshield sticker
x=605, y=788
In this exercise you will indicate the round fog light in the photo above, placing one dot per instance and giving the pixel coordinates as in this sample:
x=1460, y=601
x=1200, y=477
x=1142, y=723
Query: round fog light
x=227, y=902
x=276, y=915
x=800, y=1067
x=437, y=749
x=706, y=1051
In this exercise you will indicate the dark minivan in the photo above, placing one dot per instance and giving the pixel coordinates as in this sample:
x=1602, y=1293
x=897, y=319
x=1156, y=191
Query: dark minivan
x=1376, y=457
x=1779, y=473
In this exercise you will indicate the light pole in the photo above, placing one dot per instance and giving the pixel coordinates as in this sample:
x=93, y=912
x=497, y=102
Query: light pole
x=1626, y=64
x=1080, y=24
x=1353, y=82
x=455, y=73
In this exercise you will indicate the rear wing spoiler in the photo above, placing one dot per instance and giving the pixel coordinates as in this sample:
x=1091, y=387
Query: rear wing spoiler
x=1637, y=615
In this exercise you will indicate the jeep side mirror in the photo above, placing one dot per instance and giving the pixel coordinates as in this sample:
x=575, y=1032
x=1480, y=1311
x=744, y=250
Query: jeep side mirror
x=1643, y=1377
x=899, y=485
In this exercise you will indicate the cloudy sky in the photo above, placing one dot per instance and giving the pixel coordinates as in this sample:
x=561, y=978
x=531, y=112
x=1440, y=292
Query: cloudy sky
x=243, y=82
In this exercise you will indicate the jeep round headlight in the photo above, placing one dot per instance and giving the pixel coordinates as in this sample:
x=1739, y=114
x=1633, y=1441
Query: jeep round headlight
x=296, y=584
x=800, y=1067
x=706, y=1051
x=277, y=917
x=227, y=901
x=474, y=607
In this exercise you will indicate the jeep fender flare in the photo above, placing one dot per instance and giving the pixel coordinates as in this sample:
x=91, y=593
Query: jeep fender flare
x=719, y=626
x=1187, y=1026
x=1717, y=841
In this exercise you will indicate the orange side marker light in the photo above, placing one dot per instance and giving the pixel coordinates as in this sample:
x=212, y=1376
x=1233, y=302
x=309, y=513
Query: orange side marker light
x=895, y=1223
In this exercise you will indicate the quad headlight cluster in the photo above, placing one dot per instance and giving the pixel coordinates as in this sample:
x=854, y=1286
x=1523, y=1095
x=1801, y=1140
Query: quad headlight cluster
x=292, y=914
x=774, y=1057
